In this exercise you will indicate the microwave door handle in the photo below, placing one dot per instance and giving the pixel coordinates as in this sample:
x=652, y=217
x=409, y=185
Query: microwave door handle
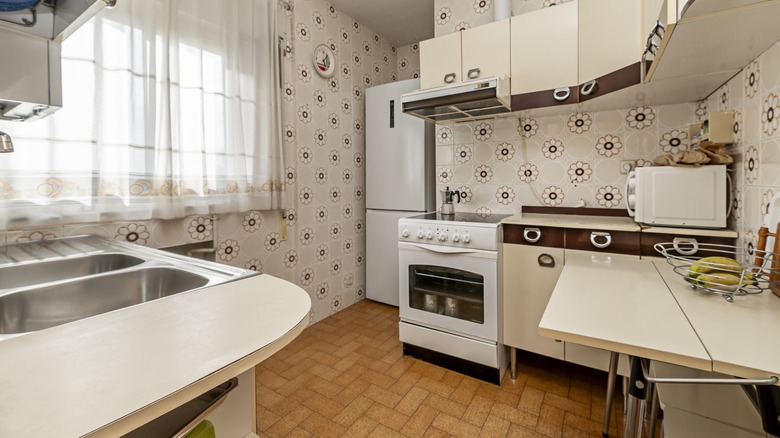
x=729, y=194
x=631, y=211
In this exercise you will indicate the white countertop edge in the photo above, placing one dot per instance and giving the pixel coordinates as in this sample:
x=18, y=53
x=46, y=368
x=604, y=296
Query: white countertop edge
x=615, y=223
x=631, y=350
x=148, y=413
x=730, y=234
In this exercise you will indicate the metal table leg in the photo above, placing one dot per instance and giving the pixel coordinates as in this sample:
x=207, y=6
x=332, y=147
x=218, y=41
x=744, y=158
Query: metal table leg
x=655, y=405
x=513, y=363
x=637, y=392
x=611, y=380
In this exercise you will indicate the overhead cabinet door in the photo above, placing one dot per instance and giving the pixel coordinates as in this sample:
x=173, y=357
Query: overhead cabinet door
x=544, y=54
x=486, y=51
x=440, y=61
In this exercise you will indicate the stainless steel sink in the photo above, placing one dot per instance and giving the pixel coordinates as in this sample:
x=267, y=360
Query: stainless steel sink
x=43, y=307
x=27, y=274
x=49, y=283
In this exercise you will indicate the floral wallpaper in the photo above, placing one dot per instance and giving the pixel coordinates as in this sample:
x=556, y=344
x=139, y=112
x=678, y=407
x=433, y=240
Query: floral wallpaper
x=753, y=96
x=500, y=164
x=408, y=58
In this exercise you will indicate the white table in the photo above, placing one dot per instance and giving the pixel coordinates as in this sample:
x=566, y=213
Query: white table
x=643, y=309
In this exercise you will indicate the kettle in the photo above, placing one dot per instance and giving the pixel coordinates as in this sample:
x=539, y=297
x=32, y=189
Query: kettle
x=447, y=207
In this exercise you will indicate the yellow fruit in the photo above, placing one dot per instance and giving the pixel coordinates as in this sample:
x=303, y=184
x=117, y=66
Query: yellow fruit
x=711, y=264
x=719, y=280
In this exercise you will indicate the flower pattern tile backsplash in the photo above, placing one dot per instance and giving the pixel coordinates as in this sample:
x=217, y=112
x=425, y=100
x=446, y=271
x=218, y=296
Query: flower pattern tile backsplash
x=498, y=165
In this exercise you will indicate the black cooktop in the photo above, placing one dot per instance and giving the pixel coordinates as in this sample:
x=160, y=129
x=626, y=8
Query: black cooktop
x=462, y=217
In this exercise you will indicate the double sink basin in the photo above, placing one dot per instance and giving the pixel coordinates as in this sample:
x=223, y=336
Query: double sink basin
x=53, y=282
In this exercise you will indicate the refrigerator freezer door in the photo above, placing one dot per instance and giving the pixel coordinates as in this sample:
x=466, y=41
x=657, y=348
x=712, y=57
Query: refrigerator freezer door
x=396, y=157
x=382, y=255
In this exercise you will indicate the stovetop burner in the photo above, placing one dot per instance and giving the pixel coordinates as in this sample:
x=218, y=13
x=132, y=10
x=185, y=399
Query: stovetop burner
x=462, y=217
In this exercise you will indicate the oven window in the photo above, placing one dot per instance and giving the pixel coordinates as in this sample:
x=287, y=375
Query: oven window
x=446, y=291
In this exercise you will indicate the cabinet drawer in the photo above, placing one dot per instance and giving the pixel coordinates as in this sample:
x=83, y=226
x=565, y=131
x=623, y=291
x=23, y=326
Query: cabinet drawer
x=650, y=239
x=532, y=235
x=616, y=242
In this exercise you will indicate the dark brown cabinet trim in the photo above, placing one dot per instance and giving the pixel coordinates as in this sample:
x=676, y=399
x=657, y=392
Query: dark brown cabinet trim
x=622, y=242
x=550, y=236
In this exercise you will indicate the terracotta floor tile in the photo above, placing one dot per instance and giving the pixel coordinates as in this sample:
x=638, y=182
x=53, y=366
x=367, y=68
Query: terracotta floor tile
x=465, y=391
x=516, y=431
x=478, y=411
x=346, y=376
x=286, y=424
x=567, y=404
x=353, y=411
x=531, y=400
x=323, y=405
x=455, y=426
x=321, y=426
x=384, y=415
x=495, y=427
x=411, y=401
x=435, y=432
x=383, y=396
x=419, y=422
x=362, y=427
x=550, y=421
x=445, y=405
x=517, y=416
x=383, y=431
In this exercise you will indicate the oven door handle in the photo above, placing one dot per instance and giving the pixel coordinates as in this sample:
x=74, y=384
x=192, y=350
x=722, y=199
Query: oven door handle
x=442, y=249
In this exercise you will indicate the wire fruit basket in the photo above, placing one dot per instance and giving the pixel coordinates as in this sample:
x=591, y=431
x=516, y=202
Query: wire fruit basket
x=716, y=269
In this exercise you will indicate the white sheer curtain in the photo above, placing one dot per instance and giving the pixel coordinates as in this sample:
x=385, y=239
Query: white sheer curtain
x=171, y=108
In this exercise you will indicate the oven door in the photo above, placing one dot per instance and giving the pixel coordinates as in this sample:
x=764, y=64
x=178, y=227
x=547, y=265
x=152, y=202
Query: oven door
x=451, y=289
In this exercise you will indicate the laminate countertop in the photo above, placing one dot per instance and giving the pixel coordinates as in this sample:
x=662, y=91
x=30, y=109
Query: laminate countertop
x=642, y=308
x=108, y=374
x=616, y=223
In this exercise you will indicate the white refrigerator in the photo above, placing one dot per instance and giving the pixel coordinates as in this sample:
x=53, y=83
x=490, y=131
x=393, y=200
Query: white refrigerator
x=400, y=181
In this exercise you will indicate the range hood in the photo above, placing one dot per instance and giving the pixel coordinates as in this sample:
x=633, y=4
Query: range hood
x=465, y=101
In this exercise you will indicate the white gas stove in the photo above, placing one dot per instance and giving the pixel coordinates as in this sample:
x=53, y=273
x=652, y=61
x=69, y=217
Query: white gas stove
x=449, y=268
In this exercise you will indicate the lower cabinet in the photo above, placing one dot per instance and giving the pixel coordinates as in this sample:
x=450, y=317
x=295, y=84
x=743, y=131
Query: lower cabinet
x=530, y=274
x=533, y=258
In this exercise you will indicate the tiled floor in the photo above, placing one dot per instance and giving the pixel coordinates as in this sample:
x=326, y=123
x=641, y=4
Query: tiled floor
x=346, y=376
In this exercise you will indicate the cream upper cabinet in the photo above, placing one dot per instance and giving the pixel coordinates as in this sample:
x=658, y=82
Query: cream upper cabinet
x=440, y=61
x=486, y=51
x=610, y=36
x=544, y=49
x=475, y=53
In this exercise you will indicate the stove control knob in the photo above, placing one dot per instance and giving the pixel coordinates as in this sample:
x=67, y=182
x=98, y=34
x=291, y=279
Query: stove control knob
x=420, y=234
x=405, y=233
x=442, y=237
x=429, y=235
x=456, y=237
x=466, y=238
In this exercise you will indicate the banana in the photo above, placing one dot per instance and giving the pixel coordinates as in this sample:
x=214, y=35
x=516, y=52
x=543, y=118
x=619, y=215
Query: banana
x=719, y=280
x=718, y=271
x=710, y=264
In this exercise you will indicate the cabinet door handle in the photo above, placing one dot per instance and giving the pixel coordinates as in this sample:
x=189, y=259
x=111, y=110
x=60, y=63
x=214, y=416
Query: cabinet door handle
x=546, y=260
x=532, y=235
x=588, y=87
x=473, y=73
x=449, y=78
x=686, y=245
x=561, y=94
x=595, y=235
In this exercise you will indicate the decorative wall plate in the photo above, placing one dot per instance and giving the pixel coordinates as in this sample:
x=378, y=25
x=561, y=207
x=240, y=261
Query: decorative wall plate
x=324, y=61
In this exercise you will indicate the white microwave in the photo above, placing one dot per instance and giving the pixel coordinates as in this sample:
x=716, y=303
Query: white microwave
x=694, y=197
